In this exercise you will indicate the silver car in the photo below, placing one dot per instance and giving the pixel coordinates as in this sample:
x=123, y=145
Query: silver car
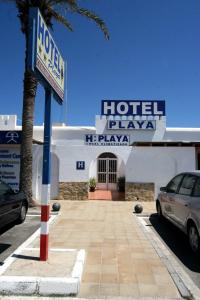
x=179, y=202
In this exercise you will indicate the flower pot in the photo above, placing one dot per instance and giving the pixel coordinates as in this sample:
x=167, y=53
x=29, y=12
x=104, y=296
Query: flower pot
x=92, y=188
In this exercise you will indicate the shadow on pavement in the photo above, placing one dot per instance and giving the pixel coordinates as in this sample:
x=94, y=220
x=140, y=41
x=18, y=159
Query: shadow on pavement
x=4, y=247
x=7, y=227
x=28, y=257
x=177, y=241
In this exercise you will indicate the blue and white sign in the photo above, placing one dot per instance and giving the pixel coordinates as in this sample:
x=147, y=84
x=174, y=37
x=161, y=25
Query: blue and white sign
x=107, y=140
x=10, y=137
x=80, y=165
x=132, y=108
x=45, y=56
x=130, y=125
x=10, y=166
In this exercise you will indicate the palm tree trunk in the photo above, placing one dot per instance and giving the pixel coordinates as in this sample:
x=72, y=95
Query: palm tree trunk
x=30, y=88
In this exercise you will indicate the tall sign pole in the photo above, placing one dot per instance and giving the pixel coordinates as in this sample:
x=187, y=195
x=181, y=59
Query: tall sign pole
x=46, y=61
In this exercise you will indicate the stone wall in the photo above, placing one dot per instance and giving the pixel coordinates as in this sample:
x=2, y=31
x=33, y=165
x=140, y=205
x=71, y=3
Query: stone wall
x=73, y=191
x=139, y=191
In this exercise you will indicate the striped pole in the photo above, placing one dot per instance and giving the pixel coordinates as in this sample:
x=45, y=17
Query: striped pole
x=44, y=232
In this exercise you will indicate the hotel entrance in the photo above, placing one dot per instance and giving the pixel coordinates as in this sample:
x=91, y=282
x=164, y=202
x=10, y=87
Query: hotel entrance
x=107, y=171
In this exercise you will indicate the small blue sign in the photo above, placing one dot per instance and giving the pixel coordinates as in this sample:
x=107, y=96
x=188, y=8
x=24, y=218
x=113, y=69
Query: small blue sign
x=10, y=137
x=133, y=108
x=107, y=140
x=80, y=165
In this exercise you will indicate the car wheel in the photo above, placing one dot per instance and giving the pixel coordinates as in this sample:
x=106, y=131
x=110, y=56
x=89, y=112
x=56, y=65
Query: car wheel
x=22, y=215
x=159, y=210
x=193, y=236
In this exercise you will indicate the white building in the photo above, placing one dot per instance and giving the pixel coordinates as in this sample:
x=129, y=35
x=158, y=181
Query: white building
x=129, y=139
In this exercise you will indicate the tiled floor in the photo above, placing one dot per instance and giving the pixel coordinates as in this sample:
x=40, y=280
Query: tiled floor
x=120, y=261
x=106, y=195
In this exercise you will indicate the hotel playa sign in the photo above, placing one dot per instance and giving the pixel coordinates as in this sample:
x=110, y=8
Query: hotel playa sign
x=131, y=125
x=45, y=57
x=107, y=140
x=132, y=108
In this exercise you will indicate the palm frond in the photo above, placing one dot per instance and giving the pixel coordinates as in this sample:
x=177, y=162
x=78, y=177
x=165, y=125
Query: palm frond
x=94, y=17
x=58, y=17
x=73, y=7
x=49, y=10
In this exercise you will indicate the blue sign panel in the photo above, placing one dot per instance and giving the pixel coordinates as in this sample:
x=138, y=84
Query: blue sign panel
x=131, y=125
x=80, y=165
x=10, y=137
x=132, y=108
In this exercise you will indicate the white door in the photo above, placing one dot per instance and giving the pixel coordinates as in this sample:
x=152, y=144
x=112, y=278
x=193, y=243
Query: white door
x=107, y=173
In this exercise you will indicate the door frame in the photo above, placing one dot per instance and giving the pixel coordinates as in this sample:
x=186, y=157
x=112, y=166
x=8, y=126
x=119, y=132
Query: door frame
x=107, y=185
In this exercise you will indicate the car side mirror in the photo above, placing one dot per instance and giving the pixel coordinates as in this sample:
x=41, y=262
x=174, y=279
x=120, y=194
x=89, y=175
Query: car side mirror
x=163, y=189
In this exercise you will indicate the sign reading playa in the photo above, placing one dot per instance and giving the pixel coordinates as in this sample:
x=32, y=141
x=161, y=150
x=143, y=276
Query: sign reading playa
x=46, y=57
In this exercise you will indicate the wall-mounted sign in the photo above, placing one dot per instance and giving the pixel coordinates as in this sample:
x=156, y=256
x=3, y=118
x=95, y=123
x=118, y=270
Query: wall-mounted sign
x=10, y=166
x=107, y=140
x=80, y=165
x=45, y=56
x=131, y=125
x=10, y=137
x=132, y=108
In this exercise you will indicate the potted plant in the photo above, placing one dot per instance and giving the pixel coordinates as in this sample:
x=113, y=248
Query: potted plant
x=121, y=184
x=92, y=184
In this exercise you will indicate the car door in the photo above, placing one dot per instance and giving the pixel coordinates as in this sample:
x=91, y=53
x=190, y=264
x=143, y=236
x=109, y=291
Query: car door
x=182, y=203
x=5, y=205
x=168, y=197
x=9, y=204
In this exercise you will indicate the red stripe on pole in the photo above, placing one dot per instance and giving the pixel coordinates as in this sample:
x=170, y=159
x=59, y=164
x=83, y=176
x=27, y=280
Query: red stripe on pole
x=45, y=213
x=44, y=238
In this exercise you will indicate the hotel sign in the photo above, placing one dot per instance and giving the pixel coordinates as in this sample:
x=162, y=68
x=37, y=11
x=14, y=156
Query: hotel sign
x=107, y=140
x=130, y=125
x=132, y=108
x=45, y=56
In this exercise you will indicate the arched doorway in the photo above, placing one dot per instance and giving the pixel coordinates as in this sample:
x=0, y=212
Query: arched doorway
x=107, y=171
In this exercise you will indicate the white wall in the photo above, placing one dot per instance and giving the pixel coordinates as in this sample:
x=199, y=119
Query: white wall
x=37, y=172
x=70, y=154
x=158, y=164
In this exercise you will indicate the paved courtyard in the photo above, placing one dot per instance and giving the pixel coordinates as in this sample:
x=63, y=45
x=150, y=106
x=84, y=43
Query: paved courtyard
x=120, y=261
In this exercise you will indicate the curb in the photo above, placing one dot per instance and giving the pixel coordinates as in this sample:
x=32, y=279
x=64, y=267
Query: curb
x=185, y=285
x=45, y=286
x=41, y=286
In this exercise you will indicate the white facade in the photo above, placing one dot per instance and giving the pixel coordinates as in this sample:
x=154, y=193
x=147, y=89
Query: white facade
x=138, y=163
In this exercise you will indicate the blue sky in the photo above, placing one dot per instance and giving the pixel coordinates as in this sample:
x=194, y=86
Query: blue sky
x=153, y=53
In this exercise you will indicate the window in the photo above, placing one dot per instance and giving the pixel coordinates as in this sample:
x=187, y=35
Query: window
x=187, y=185
x=174, y=184
x=4, y=188
x=196, y=191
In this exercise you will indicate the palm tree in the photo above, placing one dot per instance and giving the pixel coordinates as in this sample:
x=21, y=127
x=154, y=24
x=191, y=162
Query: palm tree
x=50, y=10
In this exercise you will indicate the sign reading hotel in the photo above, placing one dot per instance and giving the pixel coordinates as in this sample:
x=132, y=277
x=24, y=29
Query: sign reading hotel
x=132, y=108
x=107, y=140
x=46, y=57
x=130, y=125
x=10, y=166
